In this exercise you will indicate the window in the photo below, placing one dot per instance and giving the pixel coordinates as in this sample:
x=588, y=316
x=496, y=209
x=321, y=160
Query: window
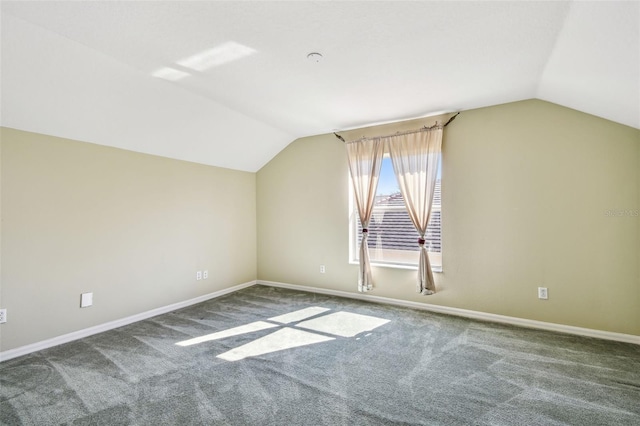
x=393, y=240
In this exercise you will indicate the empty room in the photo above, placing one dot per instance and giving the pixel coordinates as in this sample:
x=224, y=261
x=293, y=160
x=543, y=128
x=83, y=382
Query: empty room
x=320, y=213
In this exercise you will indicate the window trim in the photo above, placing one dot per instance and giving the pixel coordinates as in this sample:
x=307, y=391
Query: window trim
x=353, y=245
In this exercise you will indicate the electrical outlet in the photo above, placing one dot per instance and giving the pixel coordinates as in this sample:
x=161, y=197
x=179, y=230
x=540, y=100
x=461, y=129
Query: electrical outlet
x=3, y=316
x=543, y=293
x=86, y=300
x=322, y=269
x=199, y=275
x=205, y=274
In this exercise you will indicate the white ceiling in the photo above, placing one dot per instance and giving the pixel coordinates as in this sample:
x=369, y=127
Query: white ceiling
x=83, y=70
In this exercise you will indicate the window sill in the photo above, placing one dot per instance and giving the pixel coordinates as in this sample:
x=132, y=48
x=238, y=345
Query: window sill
x=437, y=270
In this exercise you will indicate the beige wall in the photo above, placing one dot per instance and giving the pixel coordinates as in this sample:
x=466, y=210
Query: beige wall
x=525, y=191
x=131, y=228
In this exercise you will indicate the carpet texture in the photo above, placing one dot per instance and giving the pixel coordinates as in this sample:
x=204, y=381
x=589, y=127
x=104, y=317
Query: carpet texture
x=269, y=356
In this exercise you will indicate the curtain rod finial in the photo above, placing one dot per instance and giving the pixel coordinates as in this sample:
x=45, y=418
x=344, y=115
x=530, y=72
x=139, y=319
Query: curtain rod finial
x=452, y=118
x=338, y=136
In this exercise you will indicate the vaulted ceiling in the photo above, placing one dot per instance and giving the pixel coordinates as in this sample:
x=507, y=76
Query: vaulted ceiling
x=229, y=83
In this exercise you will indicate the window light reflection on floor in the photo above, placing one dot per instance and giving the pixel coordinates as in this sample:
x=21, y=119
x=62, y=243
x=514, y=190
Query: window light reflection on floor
x=236, y=331
x=344, y=324
x=285, y=338
x=299, y=315
x=322, y=328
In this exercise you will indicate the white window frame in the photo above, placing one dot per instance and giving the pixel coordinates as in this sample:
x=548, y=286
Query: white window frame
x=354, y=249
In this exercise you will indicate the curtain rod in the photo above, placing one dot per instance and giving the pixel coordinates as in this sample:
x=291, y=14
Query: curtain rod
x=408, y=132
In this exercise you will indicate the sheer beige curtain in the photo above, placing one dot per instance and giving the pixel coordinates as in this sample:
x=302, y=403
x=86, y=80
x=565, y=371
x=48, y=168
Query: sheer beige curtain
x=365, y=160
x=415, y=158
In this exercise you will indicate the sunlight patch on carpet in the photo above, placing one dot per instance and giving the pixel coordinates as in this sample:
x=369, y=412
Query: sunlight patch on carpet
x=344, y=324
x=236, y=331
x=277, y=341
x=300, y=315
x=289, y=335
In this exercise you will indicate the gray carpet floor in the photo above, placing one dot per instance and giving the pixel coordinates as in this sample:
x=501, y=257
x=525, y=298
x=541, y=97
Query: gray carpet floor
x=269, y=356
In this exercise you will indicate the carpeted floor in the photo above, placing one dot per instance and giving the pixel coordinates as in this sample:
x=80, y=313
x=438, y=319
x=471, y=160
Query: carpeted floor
x=268, y=356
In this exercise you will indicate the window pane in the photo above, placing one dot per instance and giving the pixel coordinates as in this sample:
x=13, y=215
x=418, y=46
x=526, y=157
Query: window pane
x=392, y=236
x=392, y=228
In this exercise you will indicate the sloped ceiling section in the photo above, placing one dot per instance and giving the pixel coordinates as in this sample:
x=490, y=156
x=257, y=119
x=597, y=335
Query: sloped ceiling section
x=59, y=87
x=85, y=70
x=595, y=64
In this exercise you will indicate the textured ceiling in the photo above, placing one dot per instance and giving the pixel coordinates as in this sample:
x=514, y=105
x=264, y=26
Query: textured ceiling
x=83, y=70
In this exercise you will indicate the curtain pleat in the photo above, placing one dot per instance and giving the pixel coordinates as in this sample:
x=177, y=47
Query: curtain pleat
x=415, y=158
x=365, y=161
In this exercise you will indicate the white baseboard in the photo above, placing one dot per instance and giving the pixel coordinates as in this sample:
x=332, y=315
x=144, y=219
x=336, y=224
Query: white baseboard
x=599, y=334
x=65, y=338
